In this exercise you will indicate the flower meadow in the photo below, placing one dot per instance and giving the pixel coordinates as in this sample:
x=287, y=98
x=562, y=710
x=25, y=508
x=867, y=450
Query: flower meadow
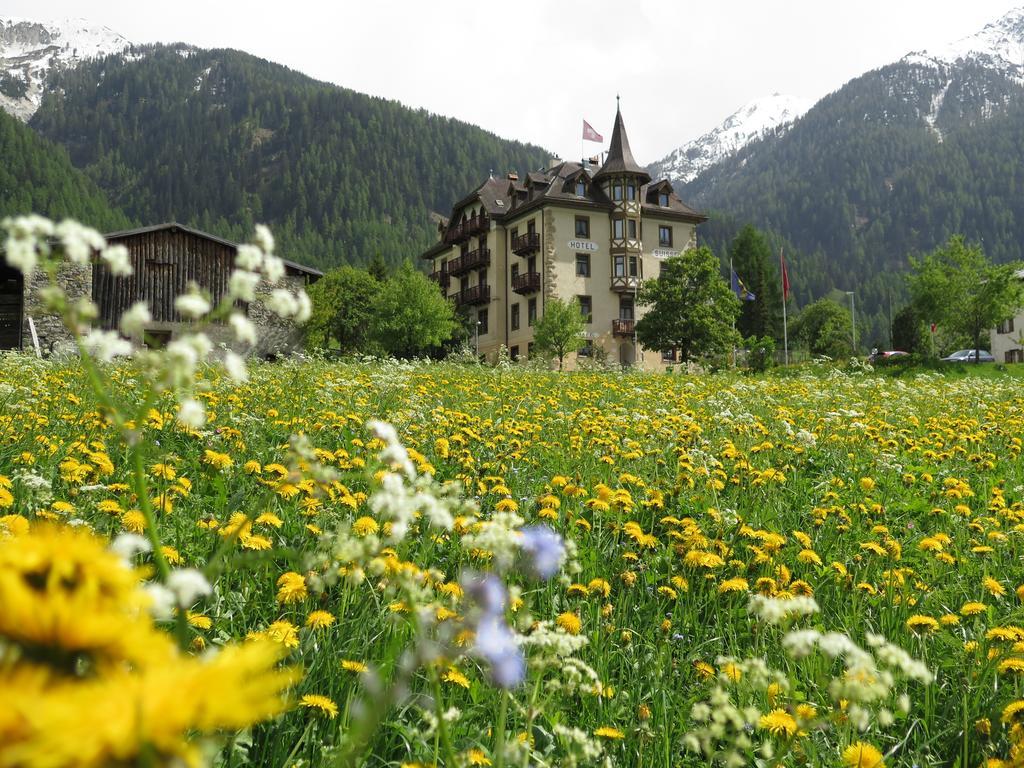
x=312, y=563
x=529, y=569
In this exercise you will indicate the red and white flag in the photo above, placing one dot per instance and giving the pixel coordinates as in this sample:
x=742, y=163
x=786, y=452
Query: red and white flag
x=785, y=278
x=589, y=134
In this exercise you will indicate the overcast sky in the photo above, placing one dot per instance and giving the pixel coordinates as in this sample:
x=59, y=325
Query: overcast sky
x=534, y=69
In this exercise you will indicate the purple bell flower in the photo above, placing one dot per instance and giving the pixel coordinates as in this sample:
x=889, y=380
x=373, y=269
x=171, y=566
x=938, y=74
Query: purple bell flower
x=544, y=550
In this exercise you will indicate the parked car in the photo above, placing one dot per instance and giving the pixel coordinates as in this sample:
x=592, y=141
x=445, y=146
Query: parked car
x=890, y=356
x=969, y=356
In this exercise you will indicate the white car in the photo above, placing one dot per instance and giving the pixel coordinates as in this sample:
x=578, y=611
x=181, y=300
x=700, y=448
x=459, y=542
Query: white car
x=970, y=356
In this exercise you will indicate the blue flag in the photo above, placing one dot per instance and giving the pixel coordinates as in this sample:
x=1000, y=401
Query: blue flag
x=740, y=289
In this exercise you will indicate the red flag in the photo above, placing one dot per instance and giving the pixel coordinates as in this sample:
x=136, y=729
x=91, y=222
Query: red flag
x=589, y=134
x=785, y=278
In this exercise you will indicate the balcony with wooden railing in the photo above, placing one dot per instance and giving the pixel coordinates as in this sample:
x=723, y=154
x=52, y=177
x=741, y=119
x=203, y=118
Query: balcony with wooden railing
x=623, y=327
x=527, y=283
x=477, y=225
x=528, y=243
x=441, y=277
x=478, y=294
x=454, y=234
x=478, y=259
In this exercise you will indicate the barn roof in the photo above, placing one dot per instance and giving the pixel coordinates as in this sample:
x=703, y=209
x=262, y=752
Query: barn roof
x=175, y=226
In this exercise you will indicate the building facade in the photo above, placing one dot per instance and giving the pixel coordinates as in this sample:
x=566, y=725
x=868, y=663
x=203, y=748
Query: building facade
x=1007, y=338
x=574, y=231
x=165, y=259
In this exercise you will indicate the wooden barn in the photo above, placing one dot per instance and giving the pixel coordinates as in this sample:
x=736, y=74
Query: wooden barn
x=165, y=258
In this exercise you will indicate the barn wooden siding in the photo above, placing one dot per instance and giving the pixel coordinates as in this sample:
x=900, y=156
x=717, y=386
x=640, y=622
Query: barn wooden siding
x=165, y=262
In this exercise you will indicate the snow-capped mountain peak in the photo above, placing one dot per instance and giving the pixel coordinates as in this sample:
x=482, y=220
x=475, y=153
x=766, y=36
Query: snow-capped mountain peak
x=999, y=45
x=30, y=49
x=749, y=122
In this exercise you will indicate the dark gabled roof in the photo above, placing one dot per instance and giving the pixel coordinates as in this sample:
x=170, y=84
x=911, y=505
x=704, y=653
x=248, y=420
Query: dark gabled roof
x=175, y=226
x=675, y=205
x=493, y=194
x=620, y=156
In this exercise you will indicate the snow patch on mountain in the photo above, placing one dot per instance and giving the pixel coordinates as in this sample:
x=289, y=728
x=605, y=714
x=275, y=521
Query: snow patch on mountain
x=29, y=50
x=1000, y=46
x=748, y=123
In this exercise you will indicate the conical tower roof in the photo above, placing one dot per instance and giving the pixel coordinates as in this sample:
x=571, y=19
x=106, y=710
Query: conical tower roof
x=620, y=156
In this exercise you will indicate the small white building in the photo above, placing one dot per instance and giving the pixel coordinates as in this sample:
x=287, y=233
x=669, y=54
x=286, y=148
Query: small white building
x=1008, y=337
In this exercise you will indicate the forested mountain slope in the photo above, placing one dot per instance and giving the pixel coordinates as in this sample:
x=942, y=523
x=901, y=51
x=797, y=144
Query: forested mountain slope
x=221, y=139
x=37, y=176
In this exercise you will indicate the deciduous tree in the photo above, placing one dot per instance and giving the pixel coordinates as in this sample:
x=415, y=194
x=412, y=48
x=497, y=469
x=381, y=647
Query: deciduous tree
x=692, y=309
x=824, y=328
x=957, y=287
x=409, y=316
x=341, y=308
x=560, y=330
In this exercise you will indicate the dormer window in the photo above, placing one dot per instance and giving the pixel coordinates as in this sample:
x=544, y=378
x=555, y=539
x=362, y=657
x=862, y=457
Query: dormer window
x=581, y=189
x=663, y=199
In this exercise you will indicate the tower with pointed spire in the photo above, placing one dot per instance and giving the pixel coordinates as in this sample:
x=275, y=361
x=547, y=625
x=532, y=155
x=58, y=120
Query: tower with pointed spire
x=569, y=231
x=621, y=178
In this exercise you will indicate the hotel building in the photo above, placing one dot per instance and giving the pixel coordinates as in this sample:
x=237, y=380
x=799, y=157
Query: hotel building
x=568, y=232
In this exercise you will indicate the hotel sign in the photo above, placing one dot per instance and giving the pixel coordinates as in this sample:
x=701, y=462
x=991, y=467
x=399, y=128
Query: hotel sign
x=664, y=253
x=583, y=245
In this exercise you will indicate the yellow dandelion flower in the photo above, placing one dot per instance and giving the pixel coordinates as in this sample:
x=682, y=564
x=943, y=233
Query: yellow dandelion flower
x=283, y=632
x=736, y=584
x=607, y=732
x=291, y=588
x=922, y=624
x=320, y=619
x=993, y=587
x=365, y=526
x=198, y=620
x=455, y=677
x=972, y=609
x=862, y=755
x=569, y=622
x=778, y=722
x=322, y=704
x=350, y=665
x=477, y=757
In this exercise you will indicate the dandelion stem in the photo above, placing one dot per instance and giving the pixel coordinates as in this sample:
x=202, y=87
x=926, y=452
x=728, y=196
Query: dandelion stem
x=499, y=741
x=442, y=724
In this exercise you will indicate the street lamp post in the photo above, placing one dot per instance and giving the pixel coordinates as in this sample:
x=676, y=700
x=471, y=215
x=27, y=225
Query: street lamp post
x=476, y=338
x=853, y=321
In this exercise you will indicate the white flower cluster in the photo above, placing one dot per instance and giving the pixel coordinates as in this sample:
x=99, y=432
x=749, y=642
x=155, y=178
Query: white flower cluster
x=774, y=610
x=724, y=733
x=548, y=641
x=182, y=589
x=867, y=680
x=499, y=536
x=580, y=748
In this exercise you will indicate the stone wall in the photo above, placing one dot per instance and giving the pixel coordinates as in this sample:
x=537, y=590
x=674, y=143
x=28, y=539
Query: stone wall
x=275, y=337
x=76, y=280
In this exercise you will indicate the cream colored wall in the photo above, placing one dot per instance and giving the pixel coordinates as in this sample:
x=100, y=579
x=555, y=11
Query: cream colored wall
x=524, y=334
x=556, y=261
x=1004, y=342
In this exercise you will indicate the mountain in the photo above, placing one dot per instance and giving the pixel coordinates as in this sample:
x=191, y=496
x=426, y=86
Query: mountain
x=30, y=50
x=220, y=139
x=751, y=121
x=890, y=165
x=37, y=176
